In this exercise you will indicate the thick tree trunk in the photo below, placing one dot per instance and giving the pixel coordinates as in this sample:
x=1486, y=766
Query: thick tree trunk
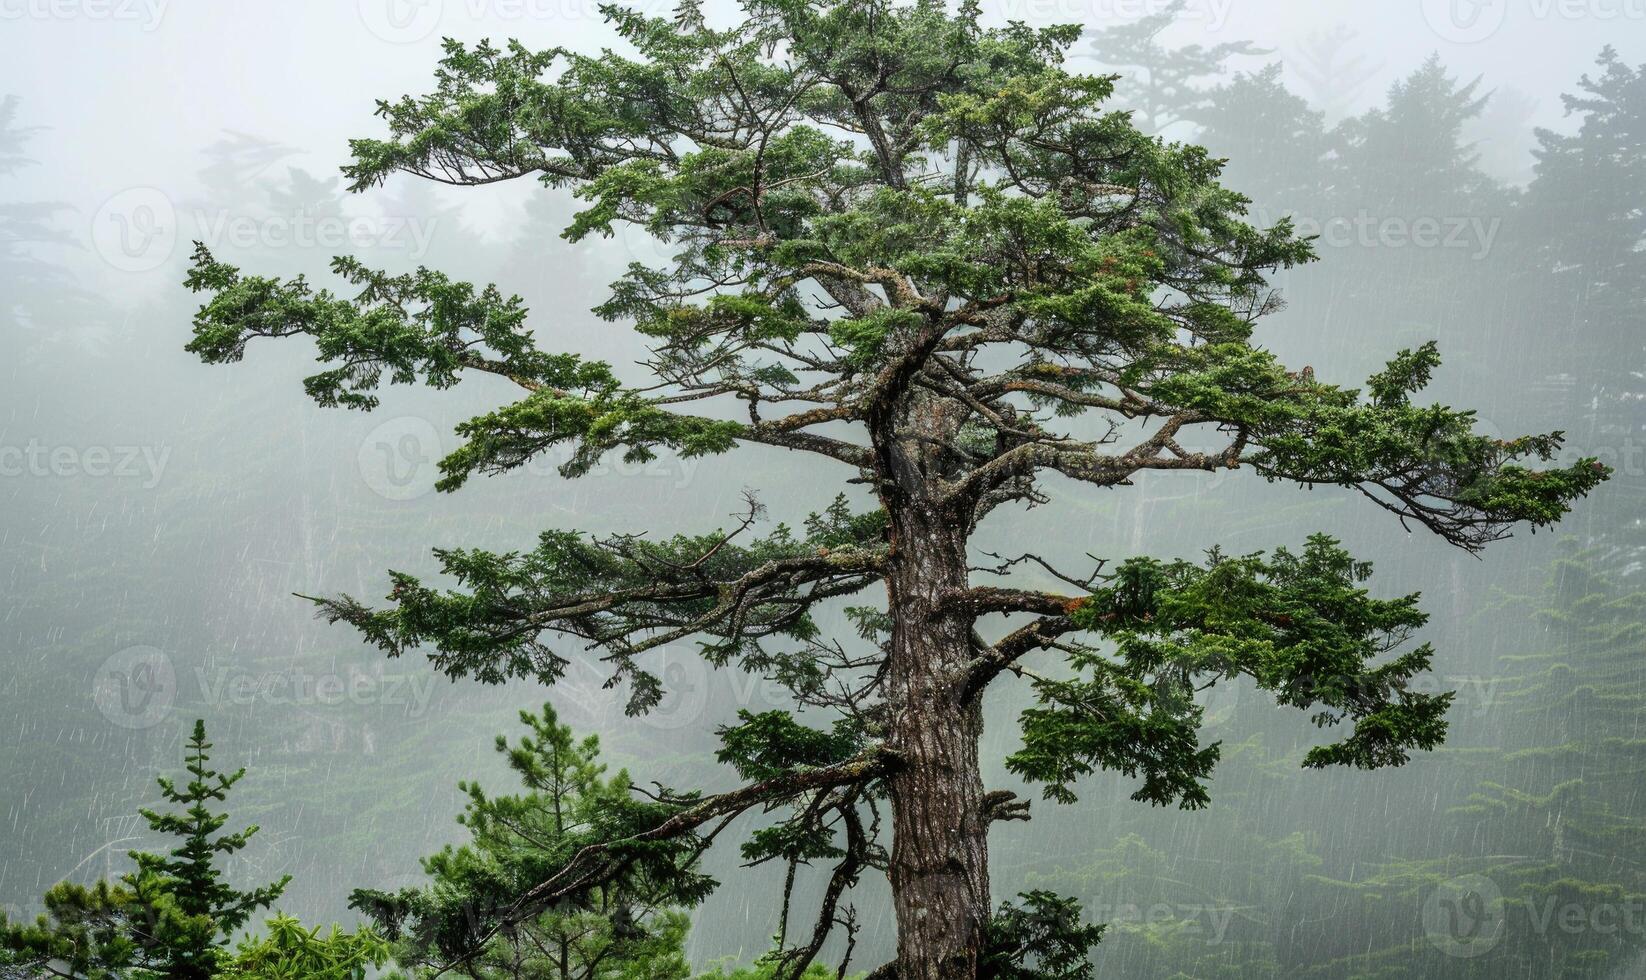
x=940, y=853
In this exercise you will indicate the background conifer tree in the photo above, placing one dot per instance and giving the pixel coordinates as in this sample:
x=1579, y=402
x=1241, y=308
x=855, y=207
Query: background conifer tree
x=199, y=911
x=173, y=916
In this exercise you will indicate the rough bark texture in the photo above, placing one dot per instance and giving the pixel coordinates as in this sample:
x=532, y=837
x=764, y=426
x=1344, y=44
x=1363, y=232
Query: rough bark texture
x=939, y=860
x=940, y=852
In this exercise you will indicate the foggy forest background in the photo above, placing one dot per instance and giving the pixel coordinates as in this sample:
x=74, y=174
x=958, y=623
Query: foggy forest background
x=1482, y=184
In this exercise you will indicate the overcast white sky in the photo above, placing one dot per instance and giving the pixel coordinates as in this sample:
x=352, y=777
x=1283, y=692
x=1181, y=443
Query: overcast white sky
x=133, y=89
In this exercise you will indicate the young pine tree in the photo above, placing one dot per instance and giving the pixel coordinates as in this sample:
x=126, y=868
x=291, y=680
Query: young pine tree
x=173, y=916
x=291, y=951
x=925, y=253
x=199, y=910
x=626, y=927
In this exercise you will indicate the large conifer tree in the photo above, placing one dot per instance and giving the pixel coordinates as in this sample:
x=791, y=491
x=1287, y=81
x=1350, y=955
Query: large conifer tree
x=924, y=251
